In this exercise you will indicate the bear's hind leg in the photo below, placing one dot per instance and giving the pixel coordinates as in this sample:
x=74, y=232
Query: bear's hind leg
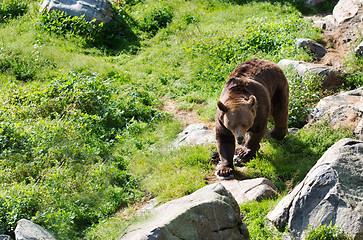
x=280, y=111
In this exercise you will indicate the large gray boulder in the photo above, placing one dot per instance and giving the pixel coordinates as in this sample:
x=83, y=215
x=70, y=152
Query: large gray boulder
x=344, y=109
x=91, y=9
x=27, y=230
x=209, y=213
x=331, y=77
x=332, y=192
x=346, y=9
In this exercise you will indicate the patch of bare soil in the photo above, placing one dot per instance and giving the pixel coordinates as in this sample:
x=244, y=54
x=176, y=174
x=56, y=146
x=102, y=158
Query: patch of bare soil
x=184, y=116
x=339, y=39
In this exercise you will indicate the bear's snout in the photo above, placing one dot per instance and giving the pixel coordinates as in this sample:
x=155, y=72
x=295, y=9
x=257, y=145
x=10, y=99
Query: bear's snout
x=240, y=140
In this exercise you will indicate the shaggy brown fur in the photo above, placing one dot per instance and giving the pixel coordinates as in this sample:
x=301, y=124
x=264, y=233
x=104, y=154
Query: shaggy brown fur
x=255, y=90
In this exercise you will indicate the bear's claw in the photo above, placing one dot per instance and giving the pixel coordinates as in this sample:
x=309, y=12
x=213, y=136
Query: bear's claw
x=229, y=177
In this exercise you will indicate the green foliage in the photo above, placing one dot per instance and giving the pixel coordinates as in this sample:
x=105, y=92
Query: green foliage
x=254, y=216
x=155, y=17
x=304, y=93
x=326, y=232
x=61, y=23
x=23, y=66
x=12, y=8
x=105, y=35
x=353, y=80
x=63, y=146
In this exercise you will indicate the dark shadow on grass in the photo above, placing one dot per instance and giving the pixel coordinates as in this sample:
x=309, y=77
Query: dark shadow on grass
x=117, y=35
x=291, y=159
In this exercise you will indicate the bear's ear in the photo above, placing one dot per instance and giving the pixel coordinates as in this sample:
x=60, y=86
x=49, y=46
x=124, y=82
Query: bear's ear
x=222, y=107
x=252, y=102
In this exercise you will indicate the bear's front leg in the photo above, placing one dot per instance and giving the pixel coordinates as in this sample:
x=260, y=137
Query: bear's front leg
x=226, y=146
x=251, y=146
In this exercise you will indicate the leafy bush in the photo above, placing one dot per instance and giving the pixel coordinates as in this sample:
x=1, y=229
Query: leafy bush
x=304, y=93
x=109, y=35
x=61, y=23
x=155, y=17
x=62, y=146
x=12, y=8
x=326, y=232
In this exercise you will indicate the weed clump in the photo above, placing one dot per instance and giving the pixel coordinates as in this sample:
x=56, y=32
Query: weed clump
x=326, y=232
x=11, y=9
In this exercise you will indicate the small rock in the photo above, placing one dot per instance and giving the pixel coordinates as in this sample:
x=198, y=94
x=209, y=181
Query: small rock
x=5, y=237
x=27, y=230
x=312, y=46
x=250, y=190
x=196, y=134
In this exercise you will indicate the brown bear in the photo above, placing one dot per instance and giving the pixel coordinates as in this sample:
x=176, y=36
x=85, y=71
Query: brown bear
x=255, y=90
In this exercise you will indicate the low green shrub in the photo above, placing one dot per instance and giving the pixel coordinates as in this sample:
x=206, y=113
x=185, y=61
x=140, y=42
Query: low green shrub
x=22, y=65
x=327, y=232
x=110, y=35
x=12, y=8
x=155, y=17
x=61, y=23
x=61, y=151
x=304, y=93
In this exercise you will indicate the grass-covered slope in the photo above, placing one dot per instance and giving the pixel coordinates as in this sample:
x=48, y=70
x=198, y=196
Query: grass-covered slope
x=81, y=135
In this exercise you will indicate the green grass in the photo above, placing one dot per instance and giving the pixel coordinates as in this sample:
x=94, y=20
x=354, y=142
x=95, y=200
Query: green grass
x=81, y=135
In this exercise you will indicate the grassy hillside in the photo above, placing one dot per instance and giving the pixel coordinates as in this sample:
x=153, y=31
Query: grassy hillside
x=81, y=130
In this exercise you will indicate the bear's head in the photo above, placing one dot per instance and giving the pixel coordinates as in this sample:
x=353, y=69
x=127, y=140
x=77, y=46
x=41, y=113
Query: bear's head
x=238, y=116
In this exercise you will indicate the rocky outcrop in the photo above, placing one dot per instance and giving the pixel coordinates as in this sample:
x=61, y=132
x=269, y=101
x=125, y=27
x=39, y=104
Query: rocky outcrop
x=196, y=134
x=330, y=193
x=344, y=109
x=91, y=9
x=331, y=78
x=346, y=9
x=27, y=230
x=314, y=47
x=250, y=190
x=209, y=213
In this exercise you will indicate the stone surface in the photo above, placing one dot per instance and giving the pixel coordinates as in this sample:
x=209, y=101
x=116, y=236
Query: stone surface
x=312, y=46
x=346, y=9
x=27, y=230
x=209, y=213
x=251, y=189
x=196, y=134
x=313, y=3
x=331, y=77
x=91, y=9
x=332, y=192
x=344, y=109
